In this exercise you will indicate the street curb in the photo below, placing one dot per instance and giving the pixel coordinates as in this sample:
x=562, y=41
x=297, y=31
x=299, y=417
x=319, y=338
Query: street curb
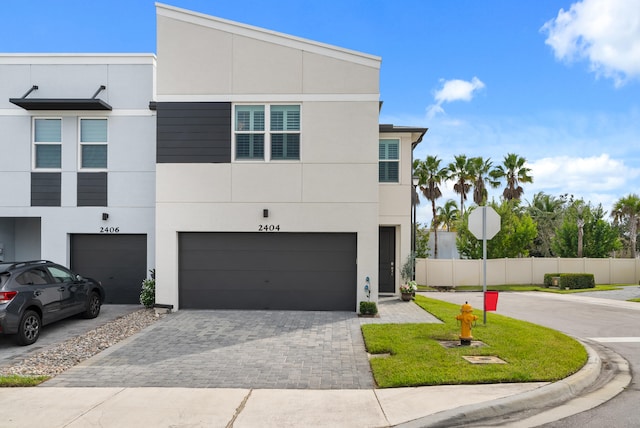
x=540, y=398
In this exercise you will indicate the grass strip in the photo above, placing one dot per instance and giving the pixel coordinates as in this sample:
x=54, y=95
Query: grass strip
x=533, y=353
x=17, y=381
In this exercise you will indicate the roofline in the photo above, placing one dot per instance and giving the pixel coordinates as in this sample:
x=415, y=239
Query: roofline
x=389, y=129
x=77, y=58
x=267, y=35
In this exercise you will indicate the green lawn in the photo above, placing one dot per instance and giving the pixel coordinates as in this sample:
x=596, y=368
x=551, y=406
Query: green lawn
x=518, y=287
x=533, y=353
x=21, y=381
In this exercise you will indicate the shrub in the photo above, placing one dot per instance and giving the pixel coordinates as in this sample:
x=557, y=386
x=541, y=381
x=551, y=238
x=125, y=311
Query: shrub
x=368, y=308
x=548, y=279
x=571, y=280
x=148, y=291
x=577, y=280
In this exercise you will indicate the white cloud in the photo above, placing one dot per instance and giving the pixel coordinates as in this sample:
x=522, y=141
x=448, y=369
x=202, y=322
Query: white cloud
x=454, y=90
x=605, y=32
x=599, y=179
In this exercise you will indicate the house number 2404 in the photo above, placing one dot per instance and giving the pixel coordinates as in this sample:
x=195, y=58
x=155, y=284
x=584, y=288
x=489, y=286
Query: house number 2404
x=268, y=228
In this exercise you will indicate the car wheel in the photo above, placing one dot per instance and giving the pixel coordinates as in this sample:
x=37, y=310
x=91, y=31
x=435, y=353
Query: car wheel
x=93, y=306
x=29, y=328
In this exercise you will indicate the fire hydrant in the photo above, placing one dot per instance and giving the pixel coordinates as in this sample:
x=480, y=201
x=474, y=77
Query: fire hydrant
x=466, y=318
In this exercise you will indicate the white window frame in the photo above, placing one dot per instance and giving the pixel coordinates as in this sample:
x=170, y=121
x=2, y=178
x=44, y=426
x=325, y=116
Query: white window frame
x=35, y=143
x=91, y=143
x=399, y=141
x=267, y=133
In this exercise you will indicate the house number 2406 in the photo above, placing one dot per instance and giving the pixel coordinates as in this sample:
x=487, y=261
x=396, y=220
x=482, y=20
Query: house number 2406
x=268, y=228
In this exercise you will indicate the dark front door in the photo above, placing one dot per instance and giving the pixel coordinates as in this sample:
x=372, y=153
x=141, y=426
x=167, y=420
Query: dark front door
x=387, y=260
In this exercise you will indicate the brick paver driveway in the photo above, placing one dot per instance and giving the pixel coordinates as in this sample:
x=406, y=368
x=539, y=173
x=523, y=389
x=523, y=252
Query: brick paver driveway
x=242, y=349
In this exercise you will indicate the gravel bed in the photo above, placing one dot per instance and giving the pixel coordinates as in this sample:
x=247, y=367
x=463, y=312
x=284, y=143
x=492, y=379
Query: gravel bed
x=58, y=358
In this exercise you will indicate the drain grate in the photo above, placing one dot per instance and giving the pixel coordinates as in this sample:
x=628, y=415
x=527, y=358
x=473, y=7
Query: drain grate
x=483, y=359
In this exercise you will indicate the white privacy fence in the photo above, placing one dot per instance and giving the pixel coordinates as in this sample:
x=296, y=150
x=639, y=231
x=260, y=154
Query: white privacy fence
x=454, y=272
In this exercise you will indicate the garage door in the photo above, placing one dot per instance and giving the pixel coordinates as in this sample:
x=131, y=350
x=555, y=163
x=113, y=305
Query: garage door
x=118, y=261
x=292, y=271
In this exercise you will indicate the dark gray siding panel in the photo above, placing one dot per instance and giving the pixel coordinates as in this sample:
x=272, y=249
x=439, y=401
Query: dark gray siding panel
x=193, y=133
x=92, y=189
x=118, y=261
x=290, y=271
x=45, y=189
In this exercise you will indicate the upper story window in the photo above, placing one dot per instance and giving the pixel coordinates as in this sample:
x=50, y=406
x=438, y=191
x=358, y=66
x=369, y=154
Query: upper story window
x=47, y=140
x=93, y=143
x=389, y=160
x=275, y=139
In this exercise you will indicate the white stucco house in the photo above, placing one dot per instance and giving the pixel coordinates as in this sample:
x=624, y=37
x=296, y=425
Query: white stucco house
x=246, y=166
x=275, y=184
x=77, y=165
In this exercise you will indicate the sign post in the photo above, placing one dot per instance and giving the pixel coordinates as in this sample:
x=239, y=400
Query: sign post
x=484, y=223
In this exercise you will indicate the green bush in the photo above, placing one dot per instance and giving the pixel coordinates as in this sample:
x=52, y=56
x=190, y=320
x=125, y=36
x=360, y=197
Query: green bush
x=148, y=291
x=368, y=308
x=571, y=280
x=548, y=279
x=577, y=280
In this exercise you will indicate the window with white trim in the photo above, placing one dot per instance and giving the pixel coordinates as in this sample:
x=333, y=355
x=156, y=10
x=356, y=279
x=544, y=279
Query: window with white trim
x=275, y=139
x=389, y=161
x=47, y=143
x=93, y=143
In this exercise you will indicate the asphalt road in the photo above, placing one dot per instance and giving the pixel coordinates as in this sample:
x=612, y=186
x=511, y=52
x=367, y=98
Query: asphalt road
x=594, y=316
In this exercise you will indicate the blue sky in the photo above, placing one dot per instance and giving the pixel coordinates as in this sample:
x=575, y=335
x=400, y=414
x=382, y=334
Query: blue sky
x=555, y=81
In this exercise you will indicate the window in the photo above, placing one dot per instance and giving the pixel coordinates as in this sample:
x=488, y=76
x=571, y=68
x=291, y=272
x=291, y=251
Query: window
x=285, y=132
x=257, y=139
x=60, y=275
x=249, y=132
x=93, y=143
x=47, y=138
x=388, y=164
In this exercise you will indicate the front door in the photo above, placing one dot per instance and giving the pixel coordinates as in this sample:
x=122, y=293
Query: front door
x=387, y=260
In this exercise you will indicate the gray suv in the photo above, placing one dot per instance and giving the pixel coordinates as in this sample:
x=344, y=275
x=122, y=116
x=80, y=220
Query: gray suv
x=39, y=292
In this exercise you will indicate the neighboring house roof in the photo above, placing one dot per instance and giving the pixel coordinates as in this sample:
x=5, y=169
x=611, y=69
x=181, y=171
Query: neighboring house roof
x=389, y=129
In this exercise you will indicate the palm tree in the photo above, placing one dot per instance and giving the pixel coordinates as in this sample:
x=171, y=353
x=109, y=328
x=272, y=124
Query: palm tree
x=628, y=208
x=430, y=177
x=448, y=213
x=514, y=172
x=481, y=171
x=460, y=171
x=546, y=211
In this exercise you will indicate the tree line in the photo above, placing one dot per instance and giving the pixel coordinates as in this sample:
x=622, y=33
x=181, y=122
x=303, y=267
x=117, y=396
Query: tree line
x=547, y=226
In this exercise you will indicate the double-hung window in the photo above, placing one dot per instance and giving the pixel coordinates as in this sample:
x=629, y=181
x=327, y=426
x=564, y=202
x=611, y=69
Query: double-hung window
x=250, y=132
x=285, y=132
x=47, y=140
x=259, y=139
x=93, y=143
x=389, y=159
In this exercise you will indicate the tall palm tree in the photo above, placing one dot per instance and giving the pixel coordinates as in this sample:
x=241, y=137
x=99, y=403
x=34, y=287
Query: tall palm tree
x=448, y=213
x=481, y=171
x=628, y=208
x=460, y=171
x=430, y=177
x=546, y=211
x=514, y=172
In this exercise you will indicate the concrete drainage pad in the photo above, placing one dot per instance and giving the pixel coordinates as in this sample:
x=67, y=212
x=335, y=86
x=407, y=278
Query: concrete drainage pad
x=483, y=359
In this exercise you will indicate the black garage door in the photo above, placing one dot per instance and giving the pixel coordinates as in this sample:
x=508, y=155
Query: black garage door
x=118, y=261
x=292, y=271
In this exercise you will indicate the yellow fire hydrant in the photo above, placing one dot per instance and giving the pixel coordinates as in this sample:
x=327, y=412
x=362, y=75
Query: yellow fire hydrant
x=466, y=318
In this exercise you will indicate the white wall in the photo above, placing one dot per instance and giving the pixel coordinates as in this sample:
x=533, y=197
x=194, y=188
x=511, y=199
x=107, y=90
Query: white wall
x=130, y=86
x=334, y=186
